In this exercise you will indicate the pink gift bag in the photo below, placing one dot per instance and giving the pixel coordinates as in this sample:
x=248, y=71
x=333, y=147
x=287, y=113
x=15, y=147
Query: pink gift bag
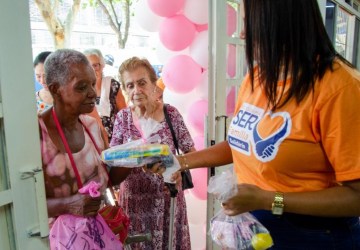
x=71, y=232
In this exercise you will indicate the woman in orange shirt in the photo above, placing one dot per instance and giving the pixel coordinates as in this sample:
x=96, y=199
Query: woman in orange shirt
x=294, y=138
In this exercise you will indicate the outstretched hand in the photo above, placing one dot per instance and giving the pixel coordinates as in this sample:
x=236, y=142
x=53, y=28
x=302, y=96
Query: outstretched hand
x=159, y=168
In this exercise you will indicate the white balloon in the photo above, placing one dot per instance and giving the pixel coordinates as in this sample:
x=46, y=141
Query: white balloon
x=196, y=11
x=180, y=101
x=164, y=54
x=145, y=18
x=199, y=49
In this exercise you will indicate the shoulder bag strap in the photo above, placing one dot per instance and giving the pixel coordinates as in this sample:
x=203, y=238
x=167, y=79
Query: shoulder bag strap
x=97, y=149
x=167, y=118
x=67, y=148
x=68, y=151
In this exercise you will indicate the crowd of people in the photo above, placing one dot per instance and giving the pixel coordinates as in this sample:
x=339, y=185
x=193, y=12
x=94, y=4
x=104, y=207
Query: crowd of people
x=84, y=112
x=292, y=140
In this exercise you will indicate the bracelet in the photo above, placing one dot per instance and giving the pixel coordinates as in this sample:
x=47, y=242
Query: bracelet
x=184, y=164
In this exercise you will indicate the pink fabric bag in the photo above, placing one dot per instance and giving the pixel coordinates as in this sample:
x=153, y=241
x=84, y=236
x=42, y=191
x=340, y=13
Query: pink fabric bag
x=88, y=233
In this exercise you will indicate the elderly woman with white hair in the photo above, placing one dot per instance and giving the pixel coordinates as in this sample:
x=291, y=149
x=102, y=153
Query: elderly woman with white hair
x=109, y=98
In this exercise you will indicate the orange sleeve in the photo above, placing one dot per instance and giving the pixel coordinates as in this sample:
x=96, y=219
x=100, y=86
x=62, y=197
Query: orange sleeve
x=120, y=101
x=338, y=122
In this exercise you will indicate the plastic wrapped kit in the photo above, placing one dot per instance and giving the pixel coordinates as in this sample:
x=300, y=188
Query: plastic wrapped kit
x=132, y=155
x=137, y=154
x=240, y=232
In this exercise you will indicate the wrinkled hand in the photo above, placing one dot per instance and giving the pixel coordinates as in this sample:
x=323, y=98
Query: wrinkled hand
x=248, y=198
x=84, y=205
x=156, y=168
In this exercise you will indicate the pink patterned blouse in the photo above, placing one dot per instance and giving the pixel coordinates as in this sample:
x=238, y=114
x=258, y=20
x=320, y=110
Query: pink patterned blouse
x=144, y=197
x=60, y=179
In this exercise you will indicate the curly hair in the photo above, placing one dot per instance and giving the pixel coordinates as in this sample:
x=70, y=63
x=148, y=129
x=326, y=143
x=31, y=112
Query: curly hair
x=58, y=65
x=134, y=63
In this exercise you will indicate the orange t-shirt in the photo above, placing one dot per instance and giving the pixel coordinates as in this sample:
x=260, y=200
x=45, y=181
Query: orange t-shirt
x=306, y=147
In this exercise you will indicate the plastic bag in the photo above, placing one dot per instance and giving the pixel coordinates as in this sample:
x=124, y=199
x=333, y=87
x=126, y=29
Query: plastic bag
x=137, y=153
x=240, y=232
x=76, y=232
x=147, y=127
x=113, y=215
x=116, y=220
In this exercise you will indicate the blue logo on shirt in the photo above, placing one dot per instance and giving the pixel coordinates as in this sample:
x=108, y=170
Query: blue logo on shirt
x=244, y=132
x=265, y=149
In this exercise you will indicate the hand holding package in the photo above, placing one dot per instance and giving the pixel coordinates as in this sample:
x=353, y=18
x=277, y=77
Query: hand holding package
x=242, y=231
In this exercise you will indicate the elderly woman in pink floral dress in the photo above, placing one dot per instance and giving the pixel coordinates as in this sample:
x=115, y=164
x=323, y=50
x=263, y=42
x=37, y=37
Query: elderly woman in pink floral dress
x=144, y=196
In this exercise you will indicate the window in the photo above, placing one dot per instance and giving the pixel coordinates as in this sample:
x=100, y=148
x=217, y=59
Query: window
x=330, y=19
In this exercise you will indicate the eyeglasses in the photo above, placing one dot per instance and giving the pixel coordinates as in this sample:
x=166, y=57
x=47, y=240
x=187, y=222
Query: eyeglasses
x=96, y=66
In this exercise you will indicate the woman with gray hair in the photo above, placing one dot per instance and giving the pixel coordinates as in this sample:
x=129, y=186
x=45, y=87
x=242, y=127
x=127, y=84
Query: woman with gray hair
x=69, y=137
x=109, y=98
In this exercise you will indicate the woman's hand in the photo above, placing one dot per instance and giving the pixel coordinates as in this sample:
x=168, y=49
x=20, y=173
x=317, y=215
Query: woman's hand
x=248, y=198
x=83, y=205
x=156, y=168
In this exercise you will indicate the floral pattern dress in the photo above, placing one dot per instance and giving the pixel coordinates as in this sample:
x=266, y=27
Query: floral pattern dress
x=144, y=197
x=108, y=121
x=60, y=179
x=40, y=104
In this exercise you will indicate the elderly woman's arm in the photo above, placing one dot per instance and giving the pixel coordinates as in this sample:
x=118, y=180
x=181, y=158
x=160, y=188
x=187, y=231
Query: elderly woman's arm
x=118, y=174
x=78, y=204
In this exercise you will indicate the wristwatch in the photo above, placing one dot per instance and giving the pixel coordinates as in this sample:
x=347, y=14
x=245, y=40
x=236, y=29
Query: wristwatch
x=277, y=207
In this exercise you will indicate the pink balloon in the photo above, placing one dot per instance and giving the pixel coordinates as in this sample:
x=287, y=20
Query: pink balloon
x=199, y=142
x=199, y=177
x=231, y=20
x=164, y=54
x=231, y=61
x=201, y=27
x=177, y=32
x=230, y=101
x=181, y=74
x=166, y=8
x=196, y=115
